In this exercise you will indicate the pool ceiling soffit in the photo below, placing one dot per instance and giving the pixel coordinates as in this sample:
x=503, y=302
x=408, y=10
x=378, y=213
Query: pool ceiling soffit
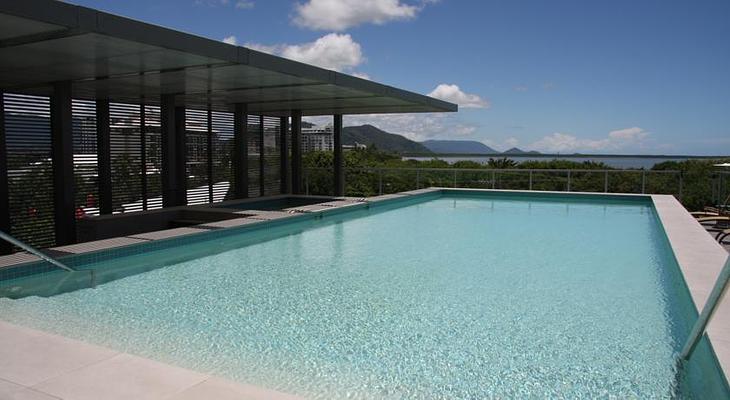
x=115, y=58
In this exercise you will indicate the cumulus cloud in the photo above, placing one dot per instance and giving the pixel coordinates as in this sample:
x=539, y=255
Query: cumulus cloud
x=628, y=134
x=615, y=140
x=338, y=15
x=230, y=40
x=418, y=127
x=454, y=94
x=334, y=51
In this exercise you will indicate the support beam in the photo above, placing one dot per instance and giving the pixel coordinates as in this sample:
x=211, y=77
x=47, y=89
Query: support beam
x=172, y=124
x=284, y=155
x=339, y=168
x=104, y=156
x=5, y=247
x=296, y=151
x=240, y=151
x=63, y=163
x=262, y=170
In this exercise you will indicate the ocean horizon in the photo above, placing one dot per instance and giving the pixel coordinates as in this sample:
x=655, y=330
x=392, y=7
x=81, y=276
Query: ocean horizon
x=614, y=161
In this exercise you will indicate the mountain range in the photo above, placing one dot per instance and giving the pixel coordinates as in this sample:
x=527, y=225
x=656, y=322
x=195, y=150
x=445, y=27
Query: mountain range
x=372, y=136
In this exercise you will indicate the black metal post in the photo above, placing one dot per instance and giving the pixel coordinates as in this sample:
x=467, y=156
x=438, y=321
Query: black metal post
x=240, y=151
x=103, y=156
x=63, y=163
x=181, y=157
x=172, y=126
x=284, y=155
x=296, y=151
x=210, y=155
x=339, y=170
x=143, y=152
x=262, y=171
x=5, y=247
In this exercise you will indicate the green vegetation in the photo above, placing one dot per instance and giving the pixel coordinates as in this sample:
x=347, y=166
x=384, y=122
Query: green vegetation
x=370, y=172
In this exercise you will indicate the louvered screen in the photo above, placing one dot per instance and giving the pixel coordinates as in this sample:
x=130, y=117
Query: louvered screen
x=30, y=171
x=126, y=157
x=85, y=162
x=196, y=140
x=254, y=156
x=153, y=157
x=222, y=156
x=272, y=156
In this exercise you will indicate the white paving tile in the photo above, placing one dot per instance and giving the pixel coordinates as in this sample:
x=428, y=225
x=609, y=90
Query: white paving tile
x=99, y=245
x=12, y=391
x=28, y=357
x=17, y=258
x=167, y=233
x=221, y=389
x=122, y=377
x=230, y=223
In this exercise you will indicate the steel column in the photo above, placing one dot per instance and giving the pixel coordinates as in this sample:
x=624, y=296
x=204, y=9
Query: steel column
x=5, y=247
x=209, y=143
x=339, y=170
x=143, y=152
x=240, y=151
x=172, y=124
x=284, y=155
x=262, y=170
x=296, y=151
x=63, y=163
x=104, y=156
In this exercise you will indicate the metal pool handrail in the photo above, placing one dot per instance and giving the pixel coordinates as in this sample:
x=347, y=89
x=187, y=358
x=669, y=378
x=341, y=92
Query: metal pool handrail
x=34, y=251
x=707, y=311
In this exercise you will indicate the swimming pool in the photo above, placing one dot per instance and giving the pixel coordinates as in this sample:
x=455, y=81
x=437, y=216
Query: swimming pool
x=460, y=295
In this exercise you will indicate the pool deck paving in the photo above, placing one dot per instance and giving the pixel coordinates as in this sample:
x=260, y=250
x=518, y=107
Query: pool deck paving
x=40, y=365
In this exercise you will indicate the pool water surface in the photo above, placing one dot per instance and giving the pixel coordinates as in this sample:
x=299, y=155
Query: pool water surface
x=457, y=296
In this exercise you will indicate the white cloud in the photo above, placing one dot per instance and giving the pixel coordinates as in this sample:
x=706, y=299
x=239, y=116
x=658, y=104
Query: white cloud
x=615, y=140
x=230, y=40
x=629, y=134
x=362, y=75
x=521, y=88
x=511, y=142
x=240, y=4
x=417, y=127
x=334, y=51
x=244, y=4
x=338, y=15
x=453, y=94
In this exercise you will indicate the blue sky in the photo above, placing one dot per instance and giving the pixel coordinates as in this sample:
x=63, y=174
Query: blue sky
x=639, y=76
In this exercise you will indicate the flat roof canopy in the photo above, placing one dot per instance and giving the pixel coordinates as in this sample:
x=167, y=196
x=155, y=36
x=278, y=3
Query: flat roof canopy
x=110, y=57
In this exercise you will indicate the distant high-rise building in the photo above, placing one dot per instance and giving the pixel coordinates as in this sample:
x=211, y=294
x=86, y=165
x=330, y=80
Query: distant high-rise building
x=317, y=138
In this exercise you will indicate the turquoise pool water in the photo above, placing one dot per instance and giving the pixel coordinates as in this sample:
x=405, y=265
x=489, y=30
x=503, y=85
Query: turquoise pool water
x=452, y=297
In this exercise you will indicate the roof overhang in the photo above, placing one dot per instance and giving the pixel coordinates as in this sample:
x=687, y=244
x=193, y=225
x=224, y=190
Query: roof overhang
x=110, y=57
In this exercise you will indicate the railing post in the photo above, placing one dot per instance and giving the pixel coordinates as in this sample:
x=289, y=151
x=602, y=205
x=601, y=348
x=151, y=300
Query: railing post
x=530, y=179
x=380, y=182
x=306, y=182
x=605, y=181
x=568, y=181
x=680, y=186
x=454, y=178
x=643, y=181
x=418, y=178
x=494, y=179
